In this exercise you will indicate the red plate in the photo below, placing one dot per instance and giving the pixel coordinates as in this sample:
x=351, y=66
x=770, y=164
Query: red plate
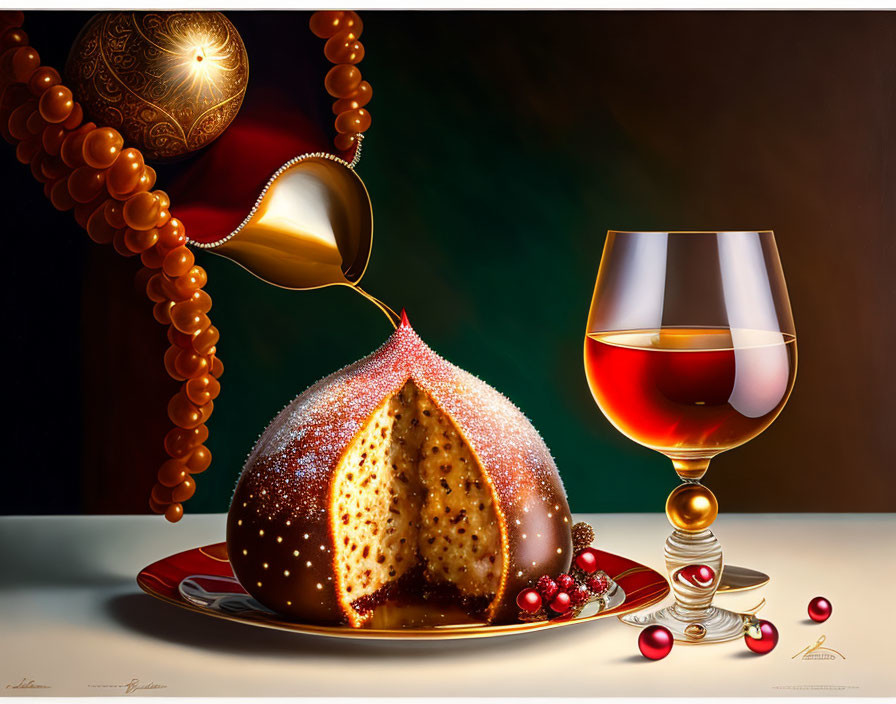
x=214, y=591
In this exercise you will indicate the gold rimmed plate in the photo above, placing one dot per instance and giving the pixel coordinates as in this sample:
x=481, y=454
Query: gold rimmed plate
x=201, y=580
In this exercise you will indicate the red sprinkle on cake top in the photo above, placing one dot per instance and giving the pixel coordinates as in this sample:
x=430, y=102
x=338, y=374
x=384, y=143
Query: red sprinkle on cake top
x=302, y=446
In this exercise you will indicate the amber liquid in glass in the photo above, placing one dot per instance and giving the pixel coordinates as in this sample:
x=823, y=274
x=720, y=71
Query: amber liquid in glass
x=690, y=392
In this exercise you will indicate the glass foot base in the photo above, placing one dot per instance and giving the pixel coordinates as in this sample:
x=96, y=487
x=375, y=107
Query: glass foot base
x=714, y=625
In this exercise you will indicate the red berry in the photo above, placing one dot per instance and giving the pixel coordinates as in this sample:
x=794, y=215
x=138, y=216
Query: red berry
x=565, y=582
x=767, y=640
x=820, y=609
x=561, y=603
x=547, y=587
x=655, y=642
x=597, y=584
x=586, y=560
x=579, y=595
x=529, y=600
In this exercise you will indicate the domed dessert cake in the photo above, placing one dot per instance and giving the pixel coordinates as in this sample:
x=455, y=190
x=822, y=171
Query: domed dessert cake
x=397, y=465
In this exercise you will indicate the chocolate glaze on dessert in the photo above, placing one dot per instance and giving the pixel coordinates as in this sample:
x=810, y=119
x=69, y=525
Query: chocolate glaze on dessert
x=286, y=544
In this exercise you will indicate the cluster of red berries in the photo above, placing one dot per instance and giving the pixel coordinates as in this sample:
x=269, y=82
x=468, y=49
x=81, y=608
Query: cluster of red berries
x=558, y=596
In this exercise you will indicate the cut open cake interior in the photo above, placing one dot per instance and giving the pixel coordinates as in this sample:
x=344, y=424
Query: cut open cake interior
x=410, y=492
x=401, y=474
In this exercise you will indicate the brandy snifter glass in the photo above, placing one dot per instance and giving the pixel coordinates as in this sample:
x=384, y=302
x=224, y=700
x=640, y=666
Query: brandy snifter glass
x=690, y=350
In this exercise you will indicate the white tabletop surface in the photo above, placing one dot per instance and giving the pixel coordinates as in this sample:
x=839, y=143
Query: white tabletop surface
x=73, y=621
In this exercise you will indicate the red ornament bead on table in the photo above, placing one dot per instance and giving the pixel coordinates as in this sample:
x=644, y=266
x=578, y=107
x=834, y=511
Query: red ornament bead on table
x=820, y=609
x=655, y=642
x=766, y=642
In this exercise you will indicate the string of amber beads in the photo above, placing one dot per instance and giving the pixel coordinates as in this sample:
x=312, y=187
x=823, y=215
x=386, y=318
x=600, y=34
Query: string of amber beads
x=85, y=168
x=342, y=30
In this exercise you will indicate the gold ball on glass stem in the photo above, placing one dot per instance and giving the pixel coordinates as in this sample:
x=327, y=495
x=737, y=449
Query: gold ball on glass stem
x=691, y=507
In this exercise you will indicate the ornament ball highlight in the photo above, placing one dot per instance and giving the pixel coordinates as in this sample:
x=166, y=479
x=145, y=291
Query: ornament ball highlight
x=655, y=642
x=820, y=609
x=170, y=82
x=767, y=640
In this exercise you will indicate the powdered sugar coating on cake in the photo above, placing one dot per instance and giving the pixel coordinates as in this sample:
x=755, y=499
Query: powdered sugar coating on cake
x=304, y=442
x=283, y=523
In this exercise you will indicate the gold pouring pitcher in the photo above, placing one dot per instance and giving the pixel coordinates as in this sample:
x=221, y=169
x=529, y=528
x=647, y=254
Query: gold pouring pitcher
x=312, y=226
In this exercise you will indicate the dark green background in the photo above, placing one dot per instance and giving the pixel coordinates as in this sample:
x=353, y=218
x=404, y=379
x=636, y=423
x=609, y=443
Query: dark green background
x=490, y=203
x=503, y=147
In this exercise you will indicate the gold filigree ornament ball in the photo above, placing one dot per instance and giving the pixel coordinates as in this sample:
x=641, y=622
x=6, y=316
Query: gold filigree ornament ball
x=692, y=507
x=170, y=82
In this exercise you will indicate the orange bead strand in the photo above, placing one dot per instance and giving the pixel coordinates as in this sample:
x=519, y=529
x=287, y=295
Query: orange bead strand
x=88, y=169
x=342, y=30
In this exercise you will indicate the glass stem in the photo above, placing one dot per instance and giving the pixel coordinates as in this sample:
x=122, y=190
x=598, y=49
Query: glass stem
x=692, y=468
x=685, y=550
